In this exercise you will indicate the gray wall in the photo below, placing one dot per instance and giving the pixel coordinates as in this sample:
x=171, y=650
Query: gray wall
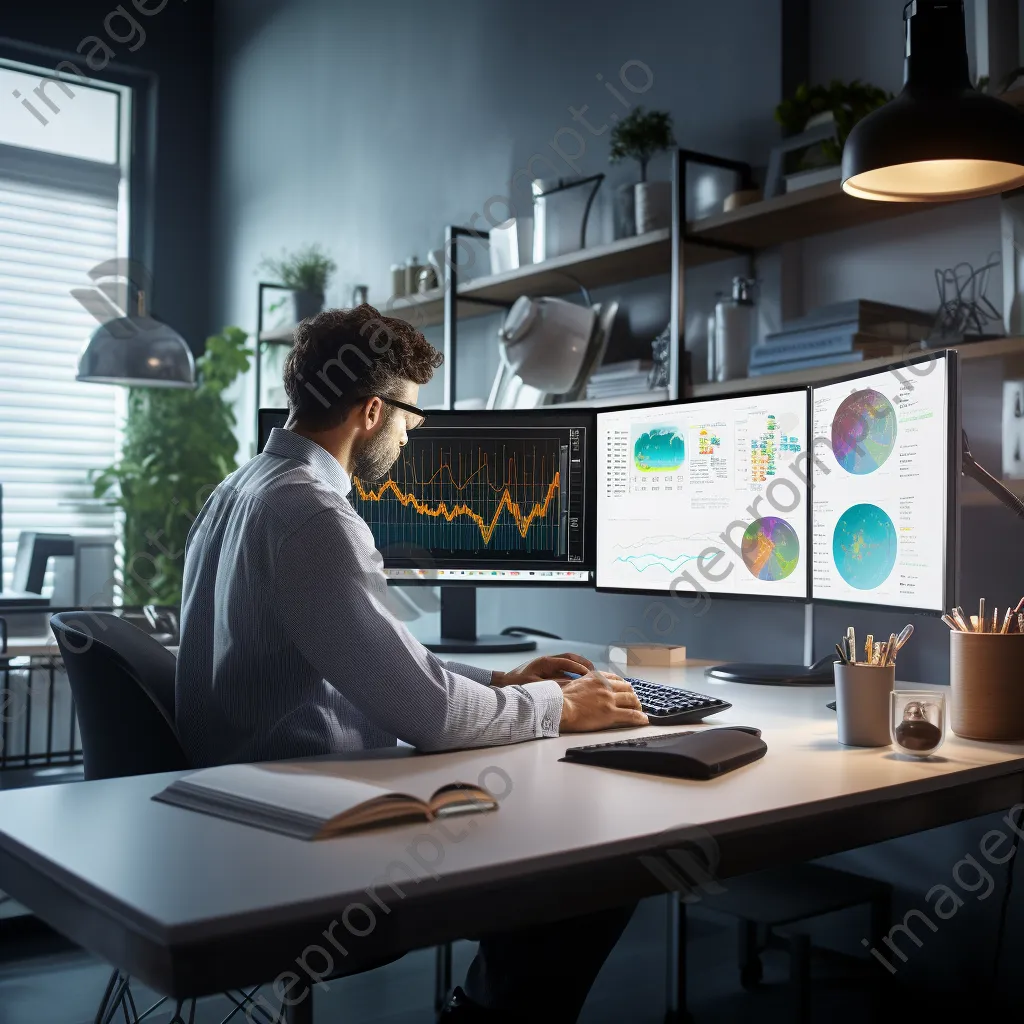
x=370, y=128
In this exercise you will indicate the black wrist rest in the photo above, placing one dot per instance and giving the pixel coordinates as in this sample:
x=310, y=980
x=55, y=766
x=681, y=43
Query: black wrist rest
x=695, y=754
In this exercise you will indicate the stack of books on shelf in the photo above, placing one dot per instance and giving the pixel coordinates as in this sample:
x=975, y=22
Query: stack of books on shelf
x=845, y=332
x=616, y=380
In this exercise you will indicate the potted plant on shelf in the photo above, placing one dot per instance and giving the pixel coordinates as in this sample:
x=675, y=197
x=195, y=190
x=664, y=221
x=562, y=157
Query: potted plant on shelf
x=306, y=272
x=843, y=103
x=640, y=136
x=178, y=445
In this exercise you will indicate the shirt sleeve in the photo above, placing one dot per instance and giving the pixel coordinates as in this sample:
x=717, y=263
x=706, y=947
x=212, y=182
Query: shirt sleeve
x=331, y=599
x=474, y=672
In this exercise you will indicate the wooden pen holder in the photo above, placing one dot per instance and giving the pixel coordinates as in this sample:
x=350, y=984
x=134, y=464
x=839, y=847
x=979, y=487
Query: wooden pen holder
x=986, y=679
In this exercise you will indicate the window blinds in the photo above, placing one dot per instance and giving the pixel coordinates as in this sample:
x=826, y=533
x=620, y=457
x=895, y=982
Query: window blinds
x=58, y=219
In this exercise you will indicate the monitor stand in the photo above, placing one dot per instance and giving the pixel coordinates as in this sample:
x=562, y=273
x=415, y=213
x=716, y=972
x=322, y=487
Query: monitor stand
x=819, y=673
x=458, y=628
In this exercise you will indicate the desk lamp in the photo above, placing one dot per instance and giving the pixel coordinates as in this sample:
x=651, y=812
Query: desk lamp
x=550, y=345
x=940, y=139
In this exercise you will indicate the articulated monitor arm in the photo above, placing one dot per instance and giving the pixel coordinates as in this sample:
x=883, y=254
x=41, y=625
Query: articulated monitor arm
x=989, y=482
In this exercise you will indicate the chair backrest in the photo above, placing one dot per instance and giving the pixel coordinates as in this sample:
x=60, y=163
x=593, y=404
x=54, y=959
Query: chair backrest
x=122, y=681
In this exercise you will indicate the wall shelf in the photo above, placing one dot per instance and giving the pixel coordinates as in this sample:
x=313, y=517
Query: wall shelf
x=994, y=349
x=787, y=218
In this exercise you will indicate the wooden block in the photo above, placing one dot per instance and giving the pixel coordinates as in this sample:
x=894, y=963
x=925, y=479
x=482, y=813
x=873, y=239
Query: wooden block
x=651, y=655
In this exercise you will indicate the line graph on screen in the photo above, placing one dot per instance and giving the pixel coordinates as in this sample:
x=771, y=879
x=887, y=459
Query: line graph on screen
x=669, y=553
x=481, y=493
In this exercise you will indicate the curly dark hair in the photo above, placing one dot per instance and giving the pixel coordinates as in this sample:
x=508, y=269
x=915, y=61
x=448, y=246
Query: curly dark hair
x=341, y=357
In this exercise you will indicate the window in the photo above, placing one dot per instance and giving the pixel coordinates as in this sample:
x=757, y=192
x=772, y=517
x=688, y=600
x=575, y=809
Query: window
x=63, y=210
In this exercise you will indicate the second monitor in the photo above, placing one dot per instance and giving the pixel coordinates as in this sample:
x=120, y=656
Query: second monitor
x=705, y=496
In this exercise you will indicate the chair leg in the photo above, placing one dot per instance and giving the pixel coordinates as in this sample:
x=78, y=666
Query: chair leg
x=800, y=976
x=179, y=1012
x=115, y=998
x=442, y=976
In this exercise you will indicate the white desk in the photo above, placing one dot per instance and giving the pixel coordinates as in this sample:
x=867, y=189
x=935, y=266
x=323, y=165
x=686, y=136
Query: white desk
x=193, y=905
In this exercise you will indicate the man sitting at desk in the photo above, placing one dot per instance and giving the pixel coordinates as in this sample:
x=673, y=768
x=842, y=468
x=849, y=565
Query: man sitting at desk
x=288, y=648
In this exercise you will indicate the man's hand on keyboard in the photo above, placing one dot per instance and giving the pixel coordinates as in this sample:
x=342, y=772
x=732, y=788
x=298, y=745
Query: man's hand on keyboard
x=551, y=666
x=599, y=700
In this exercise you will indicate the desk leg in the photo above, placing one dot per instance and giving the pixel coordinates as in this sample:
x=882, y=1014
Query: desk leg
x=800, y=976
x=301, y=1012
x=881, y=919
x=676, y=1011
x=442, y=976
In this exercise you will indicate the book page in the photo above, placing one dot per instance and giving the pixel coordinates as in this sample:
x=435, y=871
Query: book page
x=309, y=788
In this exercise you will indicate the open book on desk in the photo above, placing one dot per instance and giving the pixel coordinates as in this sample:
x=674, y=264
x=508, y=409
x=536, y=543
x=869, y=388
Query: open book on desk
x=311, y=800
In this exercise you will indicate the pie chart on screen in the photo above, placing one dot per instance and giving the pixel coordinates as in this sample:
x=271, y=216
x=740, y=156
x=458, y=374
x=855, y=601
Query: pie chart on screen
x=864, y=546
x=863, y=432
x=770, y=548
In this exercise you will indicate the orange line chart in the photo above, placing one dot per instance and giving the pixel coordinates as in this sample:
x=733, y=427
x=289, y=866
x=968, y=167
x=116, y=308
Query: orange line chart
x=489, y=493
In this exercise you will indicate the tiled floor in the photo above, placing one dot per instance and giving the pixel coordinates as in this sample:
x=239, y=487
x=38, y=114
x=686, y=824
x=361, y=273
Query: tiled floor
x=65, y=988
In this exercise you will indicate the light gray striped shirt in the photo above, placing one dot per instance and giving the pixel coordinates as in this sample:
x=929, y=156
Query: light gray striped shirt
x=288, y=648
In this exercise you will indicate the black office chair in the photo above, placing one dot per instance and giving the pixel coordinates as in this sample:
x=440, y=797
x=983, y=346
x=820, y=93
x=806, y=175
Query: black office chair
x=122, y=683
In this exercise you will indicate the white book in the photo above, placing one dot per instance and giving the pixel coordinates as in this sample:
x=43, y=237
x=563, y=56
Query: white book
x=312, y=799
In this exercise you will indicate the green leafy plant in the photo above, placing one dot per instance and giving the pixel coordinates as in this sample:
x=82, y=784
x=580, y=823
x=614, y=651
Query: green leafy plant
x=178, y=445
x=305, y=270
x=848, y=102
x=640, y=136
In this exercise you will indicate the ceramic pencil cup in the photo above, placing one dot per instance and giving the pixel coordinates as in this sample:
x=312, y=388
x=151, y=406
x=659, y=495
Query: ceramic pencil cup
x=862, y=703
x=986, y=682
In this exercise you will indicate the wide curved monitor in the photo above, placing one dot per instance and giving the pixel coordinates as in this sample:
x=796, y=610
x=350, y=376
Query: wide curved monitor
x=486, y=497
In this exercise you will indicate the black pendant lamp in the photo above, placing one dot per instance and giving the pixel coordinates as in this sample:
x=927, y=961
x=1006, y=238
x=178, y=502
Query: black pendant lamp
x=940, y=139
x=137, y=351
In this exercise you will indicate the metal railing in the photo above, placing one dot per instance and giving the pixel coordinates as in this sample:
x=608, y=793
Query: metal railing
x=38, y=725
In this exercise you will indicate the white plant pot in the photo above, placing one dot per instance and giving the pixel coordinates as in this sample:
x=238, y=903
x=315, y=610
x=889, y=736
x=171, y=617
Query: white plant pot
x=653, y=205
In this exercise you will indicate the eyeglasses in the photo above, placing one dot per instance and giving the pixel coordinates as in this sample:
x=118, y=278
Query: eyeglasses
x=421, y=416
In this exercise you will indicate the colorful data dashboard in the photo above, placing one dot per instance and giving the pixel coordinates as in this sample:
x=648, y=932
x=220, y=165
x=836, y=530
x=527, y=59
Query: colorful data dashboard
x=880, y=487
x=705, y=496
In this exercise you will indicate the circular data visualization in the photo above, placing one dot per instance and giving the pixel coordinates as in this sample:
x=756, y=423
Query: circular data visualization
x=863, y=432
x=770, y=548
x=864, y=546
x=659, y=450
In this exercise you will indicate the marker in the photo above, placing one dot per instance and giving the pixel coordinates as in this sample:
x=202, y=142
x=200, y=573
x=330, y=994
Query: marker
x=905, y=634
x=980, y=628
x=956, y=629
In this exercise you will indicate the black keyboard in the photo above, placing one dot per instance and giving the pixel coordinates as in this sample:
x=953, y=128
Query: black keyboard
x=669, y=705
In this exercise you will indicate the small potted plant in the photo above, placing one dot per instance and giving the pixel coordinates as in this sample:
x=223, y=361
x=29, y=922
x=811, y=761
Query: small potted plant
x=306, y=272
x=844, y=103
x=640, y=136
